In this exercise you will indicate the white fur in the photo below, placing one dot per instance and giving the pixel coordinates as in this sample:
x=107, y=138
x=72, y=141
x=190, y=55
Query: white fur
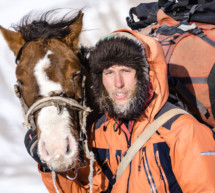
x=55, y=128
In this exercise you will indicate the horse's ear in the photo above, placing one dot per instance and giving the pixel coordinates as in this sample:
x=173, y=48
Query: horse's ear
x=13, y=39
x=73, y=38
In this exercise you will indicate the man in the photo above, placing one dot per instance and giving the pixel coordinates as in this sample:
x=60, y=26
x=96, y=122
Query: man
x=129, y=77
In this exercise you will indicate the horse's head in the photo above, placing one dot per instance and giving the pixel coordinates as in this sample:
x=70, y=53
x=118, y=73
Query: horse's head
x=49, y=72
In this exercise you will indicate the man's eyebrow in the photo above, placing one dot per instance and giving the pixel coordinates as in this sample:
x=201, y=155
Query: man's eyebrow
x=105, y=70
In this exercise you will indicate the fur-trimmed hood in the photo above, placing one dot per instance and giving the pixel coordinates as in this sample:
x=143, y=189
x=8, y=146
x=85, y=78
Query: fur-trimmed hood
x=149, y=63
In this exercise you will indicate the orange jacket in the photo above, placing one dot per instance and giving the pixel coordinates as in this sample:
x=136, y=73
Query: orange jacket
x=177, y=158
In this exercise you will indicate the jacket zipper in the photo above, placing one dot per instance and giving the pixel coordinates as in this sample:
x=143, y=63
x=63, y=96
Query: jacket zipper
x=148, y=172
x=160, y=169
x=129, y=144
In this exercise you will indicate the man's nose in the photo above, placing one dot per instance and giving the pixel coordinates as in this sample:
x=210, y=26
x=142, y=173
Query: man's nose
x=119, y=81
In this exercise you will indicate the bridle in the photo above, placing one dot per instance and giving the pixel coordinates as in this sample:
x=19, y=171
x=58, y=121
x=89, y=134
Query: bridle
x=59, y=101
x=54, y=99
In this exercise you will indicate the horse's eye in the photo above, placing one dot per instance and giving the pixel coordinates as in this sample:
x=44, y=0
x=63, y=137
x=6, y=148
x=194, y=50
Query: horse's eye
x=20, y=83
x=76, y=76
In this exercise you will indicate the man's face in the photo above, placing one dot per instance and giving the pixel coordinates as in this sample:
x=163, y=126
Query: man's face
x=120, y=82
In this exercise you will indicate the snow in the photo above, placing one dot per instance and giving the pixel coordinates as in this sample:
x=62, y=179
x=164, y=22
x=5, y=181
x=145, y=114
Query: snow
x=19, y=172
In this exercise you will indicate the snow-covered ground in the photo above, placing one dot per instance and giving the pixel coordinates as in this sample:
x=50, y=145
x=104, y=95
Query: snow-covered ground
x=18, y=171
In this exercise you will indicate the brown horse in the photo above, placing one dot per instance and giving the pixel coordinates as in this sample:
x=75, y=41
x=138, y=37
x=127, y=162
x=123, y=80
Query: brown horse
x=50, y=85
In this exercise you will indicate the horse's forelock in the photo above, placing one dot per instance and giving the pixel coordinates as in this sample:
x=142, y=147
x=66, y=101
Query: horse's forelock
x=45, y=25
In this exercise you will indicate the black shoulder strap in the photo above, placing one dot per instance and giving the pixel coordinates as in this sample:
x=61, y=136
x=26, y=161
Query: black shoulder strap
x=198, y=32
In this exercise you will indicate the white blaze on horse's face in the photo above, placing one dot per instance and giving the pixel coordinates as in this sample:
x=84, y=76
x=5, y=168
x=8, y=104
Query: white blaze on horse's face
x=57, y=146
x=45, y=85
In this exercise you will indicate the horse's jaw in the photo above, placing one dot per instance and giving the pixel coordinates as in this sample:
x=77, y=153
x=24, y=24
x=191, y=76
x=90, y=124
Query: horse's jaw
x=57, y=146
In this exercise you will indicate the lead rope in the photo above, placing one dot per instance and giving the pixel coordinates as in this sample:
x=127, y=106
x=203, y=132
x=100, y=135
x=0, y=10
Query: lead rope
x=89, y=154
x=54, y=181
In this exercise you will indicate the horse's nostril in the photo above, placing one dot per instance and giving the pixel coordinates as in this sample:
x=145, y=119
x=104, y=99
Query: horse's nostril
x=68, y=149
x=47, y=152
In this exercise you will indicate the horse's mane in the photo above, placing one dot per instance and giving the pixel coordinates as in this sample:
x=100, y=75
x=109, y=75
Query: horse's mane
x=46, y=25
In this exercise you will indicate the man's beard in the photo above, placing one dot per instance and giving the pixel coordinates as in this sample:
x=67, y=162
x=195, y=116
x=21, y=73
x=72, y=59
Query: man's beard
x=131, y=110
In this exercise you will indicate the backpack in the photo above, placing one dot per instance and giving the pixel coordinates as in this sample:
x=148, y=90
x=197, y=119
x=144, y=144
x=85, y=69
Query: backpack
x=186, y=31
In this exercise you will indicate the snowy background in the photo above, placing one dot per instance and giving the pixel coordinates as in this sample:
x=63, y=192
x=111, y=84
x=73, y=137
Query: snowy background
x=18, y=171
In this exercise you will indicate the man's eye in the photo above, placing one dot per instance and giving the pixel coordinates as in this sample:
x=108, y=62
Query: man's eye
x=126, y=70
x=108, y=73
